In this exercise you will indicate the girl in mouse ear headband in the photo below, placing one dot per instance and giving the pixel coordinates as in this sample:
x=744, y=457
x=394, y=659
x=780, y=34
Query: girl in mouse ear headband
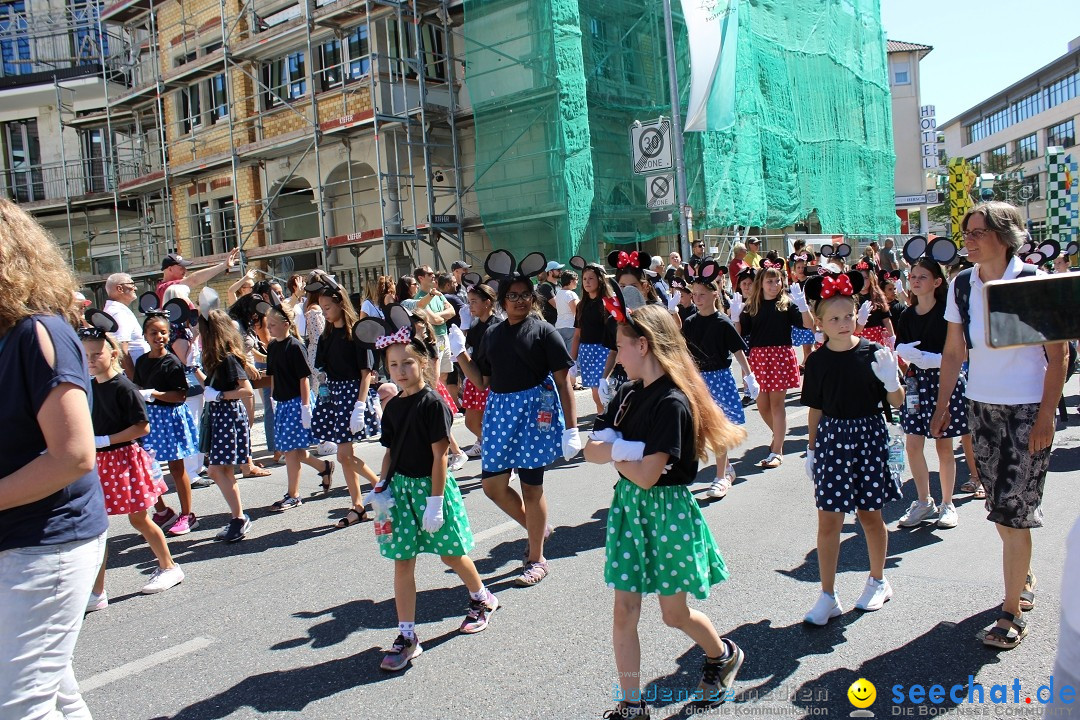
x=416, y=490
x=631, y=270
x=346, y=410
x=593, y=345
x=846, y=381
x=524, y=362
x=124, y=467
x=875, y=322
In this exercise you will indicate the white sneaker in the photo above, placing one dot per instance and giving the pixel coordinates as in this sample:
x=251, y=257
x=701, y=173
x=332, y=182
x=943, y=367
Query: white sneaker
x=875, y=594
x=719, y=488
x=163, y=579
x=457, y=461
x=825, y=609
x=473, y=451
x=327, y=448
x=97, y=602
x=918, y=512
x=947, y=518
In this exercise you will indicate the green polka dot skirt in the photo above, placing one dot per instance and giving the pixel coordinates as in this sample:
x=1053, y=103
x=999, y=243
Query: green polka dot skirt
x=658, y=542
x=408, y=540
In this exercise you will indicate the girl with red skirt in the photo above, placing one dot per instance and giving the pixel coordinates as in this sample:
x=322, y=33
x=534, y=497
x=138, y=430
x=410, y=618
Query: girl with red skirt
x=874, y=318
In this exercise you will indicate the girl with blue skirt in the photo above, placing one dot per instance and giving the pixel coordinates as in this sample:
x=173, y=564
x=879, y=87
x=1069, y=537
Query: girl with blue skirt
x=593, y=346
x=655, y=431
x=800, y=336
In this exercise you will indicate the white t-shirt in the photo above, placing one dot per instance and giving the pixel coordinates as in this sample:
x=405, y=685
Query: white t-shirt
x=130, y=331
x=563, y=298
x=1012, y=376
x=370, y=309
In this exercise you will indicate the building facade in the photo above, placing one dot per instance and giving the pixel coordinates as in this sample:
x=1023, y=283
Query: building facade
x=912, y=179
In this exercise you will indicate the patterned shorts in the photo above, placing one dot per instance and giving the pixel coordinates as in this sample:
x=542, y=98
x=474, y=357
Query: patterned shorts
x=1013, y=477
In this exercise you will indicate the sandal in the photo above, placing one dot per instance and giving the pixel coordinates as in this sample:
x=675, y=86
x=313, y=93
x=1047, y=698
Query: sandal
x=1027, y=595
x=533, y=574
x=969, y=486
x=773, y=461
x=980, y=491
x=256, y=470
x=1006, y=638
x=347, y=521
x=327, y=475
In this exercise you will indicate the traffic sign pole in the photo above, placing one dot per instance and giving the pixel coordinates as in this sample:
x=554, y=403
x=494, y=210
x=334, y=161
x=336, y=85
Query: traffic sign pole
x=676, y=134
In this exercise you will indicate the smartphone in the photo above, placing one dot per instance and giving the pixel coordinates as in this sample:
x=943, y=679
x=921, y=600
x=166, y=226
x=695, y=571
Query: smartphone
x=1032, y=310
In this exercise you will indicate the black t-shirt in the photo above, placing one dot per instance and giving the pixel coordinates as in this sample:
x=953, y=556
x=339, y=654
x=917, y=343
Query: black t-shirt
x=117, y=406
x=842, y=384
x=76, y=511
x=455, y=302
x=163, y=374
x=546, y=291
x=770, y=327
x=476, y=332
x=659, y=416
x=228, y=375
x=596, y=325
x=712, y=339
x=341, y=356
x=519, y=357
x=410, y=425
x=685, y=311
x=929, y=329
x=896, y=309
x=877, y=318
x=287, y=364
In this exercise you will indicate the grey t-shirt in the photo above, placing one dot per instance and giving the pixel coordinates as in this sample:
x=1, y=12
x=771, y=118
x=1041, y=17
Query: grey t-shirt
x=887, y=260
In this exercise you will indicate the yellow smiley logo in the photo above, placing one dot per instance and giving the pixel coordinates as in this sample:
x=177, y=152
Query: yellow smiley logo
x=862, y=693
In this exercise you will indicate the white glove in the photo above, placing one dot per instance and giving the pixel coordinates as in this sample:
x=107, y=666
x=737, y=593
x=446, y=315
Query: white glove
x=273, y=405
x=210, y=394
x=305, y=416
x=809, y=463
x=798, y=296
x=819, y=337
x=908, y=351
x=752, y=387
x=101, y=441
x=627, y=451
x=356, y=420
x=147, y=395
x=607, y=435
x=864, y=312
x=457, y=342
x=926, y=360
x=886, y=369
x=433, y=516
x=571, y=443
x=380, y=500
x=606, y=390
x=736, y=306
x=673, y=302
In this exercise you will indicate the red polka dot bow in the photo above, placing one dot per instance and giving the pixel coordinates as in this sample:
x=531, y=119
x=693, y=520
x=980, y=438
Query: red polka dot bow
x=615, y=308
x=402, y=336
x=627, y=259
x=839, y=285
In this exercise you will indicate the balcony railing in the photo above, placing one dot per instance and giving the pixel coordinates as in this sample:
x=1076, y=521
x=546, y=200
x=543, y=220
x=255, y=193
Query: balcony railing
x=73, y=179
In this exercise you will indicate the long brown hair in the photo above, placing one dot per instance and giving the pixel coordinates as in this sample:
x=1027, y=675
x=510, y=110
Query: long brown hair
x=351, y=318
x=603, y=290
x=34, y=279
x=872, y=291
x=941, y=292
x=220, y=338
x=712, y=429
x=757, y=294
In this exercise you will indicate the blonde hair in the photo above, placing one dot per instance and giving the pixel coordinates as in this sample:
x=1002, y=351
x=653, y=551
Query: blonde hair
x=114, y=347
x=34, y=278
x=712, y=429
x=287, y=313
x=757, y=294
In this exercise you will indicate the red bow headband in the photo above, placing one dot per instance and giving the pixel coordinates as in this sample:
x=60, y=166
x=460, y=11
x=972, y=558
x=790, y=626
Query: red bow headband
x=838, y=285
x=402, y=336
x=862, y=265
x=614, y=308
x=626, y=259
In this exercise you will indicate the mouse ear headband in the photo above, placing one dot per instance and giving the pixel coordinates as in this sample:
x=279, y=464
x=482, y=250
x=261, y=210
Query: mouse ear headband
x=578, y=263
x=502, y=267
x=636, y=260
x=707, y=273
x=324, y=284
x=101, y=323
x=617, y=307
x=941, y=250
x=471, y=279
x=840, y=251
x=888, y=275
x=827, y=285
x=1038, y=254
x=377, y=334
x=746, y=273
x=1072, y=248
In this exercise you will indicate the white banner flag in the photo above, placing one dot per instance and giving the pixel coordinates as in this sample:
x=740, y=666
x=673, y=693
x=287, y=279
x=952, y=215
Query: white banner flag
x=712, y=26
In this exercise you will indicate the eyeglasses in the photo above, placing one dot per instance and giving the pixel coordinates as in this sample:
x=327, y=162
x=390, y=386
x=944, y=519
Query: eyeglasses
x=516, y=296
x=126, y=286
x=624, y=406
x=977, y=233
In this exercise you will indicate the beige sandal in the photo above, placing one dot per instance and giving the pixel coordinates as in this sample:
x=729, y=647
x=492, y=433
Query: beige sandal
x=773, y=461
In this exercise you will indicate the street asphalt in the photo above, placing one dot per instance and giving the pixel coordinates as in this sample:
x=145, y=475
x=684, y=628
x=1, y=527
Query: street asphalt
x=290, y=622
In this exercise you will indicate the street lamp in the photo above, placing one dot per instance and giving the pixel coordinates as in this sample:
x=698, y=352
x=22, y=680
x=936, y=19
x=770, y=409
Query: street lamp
x=986, y=186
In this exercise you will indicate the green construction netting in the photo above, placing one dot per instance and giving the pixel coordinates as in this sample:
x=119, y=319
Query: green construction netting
x=555, y=85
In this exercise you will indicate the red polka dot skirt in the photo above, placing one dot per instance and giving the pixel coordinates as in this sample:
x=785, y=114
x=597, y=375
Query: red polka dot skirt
x=775, y=367
x=874, y=334
x=473, y=398
x=125, y=477
x=445, y=395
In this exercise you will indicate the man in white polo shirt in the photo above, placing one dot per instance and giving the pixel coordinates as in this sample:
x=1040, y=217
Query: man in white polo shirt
x=121, y=291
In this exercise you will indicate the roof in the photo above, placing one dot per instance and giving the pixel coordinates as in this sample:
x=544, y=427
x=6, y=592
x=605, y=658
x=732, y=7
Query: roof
x=901, y=46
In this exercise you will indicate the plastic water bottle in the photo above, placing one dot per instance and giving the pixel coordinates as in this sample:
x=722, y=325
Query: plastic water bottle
x=896, y=454
x=324, y=389
x=547, y=410
x=381, y=502
x=911, y=393
x=155, y=468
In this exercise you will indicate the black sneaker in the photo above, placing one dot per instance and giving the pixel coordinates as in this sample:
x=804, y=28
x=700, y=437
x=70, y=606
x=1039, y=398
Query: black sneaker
x=627, y=710
x=235, y=530
x=746, y=401
x=718, y=676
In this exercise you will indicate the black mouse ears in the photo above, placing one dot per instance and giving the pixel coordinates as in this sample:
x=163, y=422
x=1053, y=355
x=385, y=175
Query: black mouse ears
x=616, y=305
x=830, y=284
x=888, y=276
x=578, y=263
x=1072, y=248
x=633, y=260
x=707, y=272
x=941, y=250
x=1037, y=254
x=375, y=333
x=501, y=265
x=177, y=310
x=100, y=323
x=148, y=302
x=471, y=279
x=323, y=284
x=841, y=251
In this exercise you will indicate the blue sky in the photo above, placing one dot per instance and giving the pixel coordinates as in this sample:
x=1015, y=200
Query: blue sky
x=995, y=42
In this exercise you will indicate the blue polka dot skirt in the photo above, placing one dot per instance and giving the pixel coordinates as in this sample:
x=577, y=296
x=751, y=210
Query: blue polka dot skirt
x=230, y=439
x=658, y=542
x=174, y=434
x=330, y=418
x=851, y=465
x=289, y=434
x=802, y=336
x=927, y=383
x=511, y=438
x=722, y=387
x=408, y=538
x=591, y=360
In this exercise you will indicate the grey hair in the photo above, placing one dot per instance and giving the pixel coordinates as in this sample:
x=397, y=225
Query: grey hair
x=1004, y=219
x=116, y=279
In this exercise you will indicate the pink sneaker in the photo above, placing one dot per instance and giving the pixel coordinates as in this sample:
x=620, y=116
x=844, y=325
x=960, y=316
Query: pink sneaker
x=184, y=525
x=162, y=518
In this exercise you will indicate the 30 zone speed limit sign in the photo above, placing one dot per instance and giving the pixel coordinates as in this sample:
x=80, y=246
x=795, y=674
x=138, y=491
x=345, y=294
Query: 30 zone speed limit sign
x=650, y=144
